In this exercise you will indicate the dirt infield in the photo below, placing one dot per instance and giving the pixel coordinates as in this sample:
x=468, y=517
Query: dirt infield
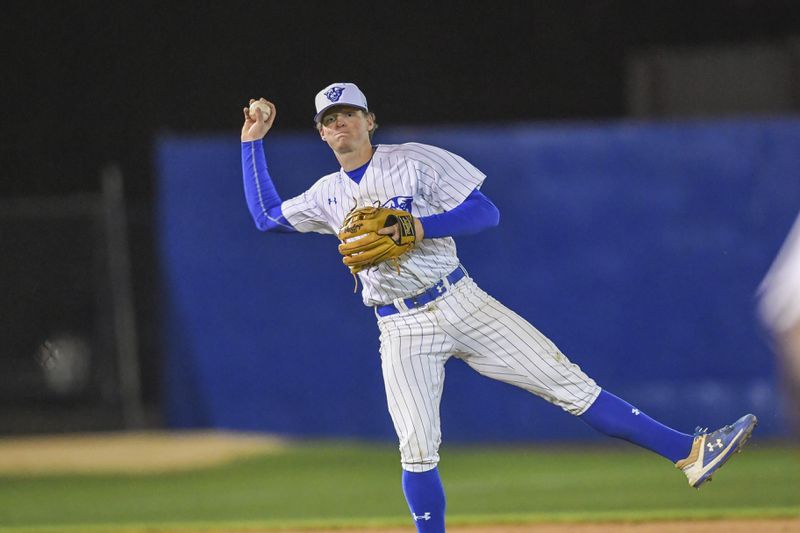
x=699, y=526
x=727, y=526
x=706, y=526
x=129, y=452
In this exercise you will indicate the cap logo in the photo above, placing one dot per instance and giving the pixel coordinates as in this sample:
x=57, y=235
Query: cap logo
x=334, y=94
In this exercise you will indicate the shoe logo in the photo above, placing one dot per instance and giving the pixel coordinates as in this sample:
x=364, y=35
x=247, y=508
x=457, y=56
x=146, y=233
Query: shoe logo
x=426, y=516
x=711, y=445
x=635, y=411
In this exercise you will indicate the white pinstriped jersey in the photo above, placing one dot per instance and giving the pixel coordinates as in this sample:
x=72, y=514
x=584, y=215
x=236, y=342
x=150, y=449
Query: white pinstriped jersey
x=422, y=179
x=463, y=322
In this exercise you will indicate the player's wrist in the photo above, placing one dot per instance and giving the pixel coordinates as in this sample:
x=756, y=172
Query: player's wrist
x=252, y=137
x=419, y=228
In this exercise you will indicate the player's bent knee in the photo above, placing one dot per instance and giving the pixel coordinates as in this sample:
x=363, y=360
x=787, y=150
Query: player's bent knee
x=574, y=404
x=580, y=407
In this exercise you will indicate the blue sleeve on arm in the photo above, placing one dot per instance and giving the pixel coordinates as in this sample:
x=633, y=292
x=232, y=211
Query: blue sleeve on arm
x=262, y=198
x=474, y=214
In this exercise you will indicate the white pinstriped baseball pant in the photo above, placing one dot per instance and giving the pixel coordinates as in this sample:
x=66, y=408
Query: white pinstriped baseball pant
x=469, y=324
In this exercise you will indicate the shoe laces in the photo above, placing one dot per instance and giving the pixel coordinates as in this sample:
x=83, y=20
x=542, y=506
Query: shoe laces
x=700, y=431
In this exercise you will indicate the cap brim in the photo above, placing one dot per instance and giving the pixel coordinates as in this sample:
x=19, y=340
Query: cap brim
x=322, y=111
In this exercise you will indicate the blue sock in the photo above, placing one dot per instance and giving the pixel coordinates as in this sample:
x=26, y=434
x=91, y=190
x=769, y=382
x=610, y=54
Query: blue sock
x=425, y=497
x=617, y=418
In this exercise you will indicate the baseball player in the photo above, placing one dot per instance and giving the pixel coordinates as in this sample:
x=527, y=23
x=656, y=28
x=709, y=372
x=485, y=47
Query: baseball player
x=779, y=309
x=395, y=210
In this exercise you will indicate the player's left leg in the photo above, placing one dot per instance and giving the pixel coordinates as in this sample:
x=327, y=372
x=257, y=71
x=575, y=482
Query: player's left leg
x=699, y=456
x=617, y=418
x=501, y=345
x=504, y=346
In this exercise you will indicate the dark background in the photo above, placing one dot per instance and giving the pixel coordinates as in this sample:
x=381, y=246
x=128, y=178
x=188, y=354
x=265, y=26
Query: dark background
x=86, y=84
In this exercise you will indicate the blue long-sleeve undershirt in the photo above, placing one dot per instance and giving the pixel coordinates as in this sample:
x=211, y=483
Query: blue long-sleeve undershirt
x=262, y=198
x=474, y=214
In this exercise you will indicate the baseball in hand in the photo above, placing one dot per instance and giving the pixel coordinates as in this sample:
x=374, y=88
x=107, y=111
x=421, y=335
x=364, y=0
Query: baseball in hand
x=265, y=109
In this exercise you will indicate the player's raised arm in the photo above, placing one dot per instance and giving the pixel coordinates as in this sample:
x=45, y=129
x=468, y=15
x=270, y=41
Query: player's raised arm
x=263, y=200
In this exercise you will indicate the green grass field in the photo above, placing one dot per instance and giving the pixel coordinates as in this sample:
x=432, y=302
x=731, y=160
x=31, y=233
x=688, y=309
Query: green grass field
x=348, y=484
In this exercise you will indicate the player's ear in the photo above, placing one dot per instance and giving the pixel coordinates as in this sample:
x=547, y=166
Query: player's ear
x=372, y=122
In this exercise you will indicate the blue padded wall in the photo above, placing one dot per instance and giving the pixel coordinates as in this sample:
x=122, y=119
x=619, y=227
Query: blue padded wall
x=636, y=247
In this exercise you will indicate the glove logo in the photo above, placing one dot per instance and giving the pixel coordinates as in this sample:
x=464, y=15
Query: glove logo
x=406, y=226
x=399, y=202
x=353, y=228
x=334, y=94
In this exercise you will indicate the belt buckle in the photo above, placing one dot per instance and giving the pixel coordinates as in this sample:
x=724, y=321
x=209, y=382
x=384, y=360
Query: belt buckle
x=439, y=287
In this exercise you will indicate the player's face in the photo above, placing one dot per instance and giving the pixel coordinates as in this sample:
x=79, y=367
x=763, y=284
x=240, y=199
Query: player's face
x=345, y=128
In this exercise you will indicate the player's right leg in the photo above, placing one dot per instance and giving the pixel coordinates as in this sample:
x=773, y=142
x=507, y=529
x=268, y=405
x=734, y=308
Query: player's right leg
x=413, y=354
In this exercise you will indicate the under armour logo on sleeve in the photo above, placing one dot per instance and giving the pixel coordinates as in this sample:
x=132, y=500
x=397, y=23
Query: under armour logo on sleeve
x=426, y=516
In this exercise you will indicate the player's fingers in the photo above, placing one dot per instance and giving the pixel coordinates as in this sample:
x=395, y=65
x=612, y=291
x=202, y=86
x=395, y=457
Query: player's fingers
x=392, y=231
x=272, y=109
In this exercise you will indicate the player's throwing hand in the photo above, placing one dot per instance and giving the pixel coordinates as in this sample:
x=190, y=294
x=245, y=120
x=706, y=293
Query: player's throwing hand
x=255, y=126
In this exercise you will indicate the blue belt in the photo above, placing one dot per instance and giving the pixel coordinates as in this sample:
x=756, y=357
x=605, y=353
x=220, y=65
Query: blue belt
x=424, y=297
